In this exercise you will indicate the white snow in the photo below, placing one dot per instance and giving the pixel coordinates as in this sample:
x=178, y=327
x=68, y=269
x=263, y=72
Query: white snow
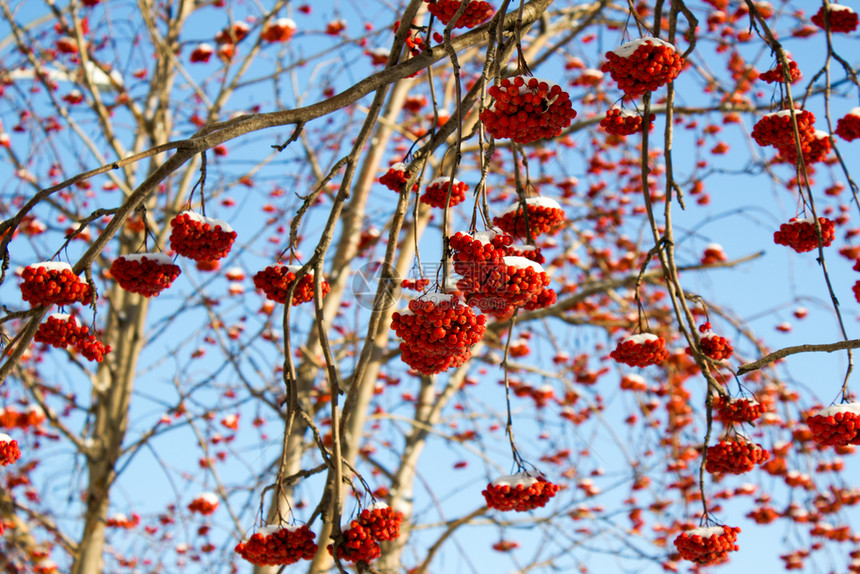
x=377, y=505
x=51, y=266
x=840, y=8
x=635, y=378
x=641, y=338
x=820, y=135
x=713, y=247
x=783, y=113
x=535, y=201
x=399, y=166
x=522, y=263
x=213, y=223
x=834, y=409
x=624, y=113
x=285, y=23
x=854, y=112
x=486, y=237
x=62, y=317
x=5, y=437
x=119, y=517
x=35, y=409
x=160, y=258
x=706, y=531
x=627, y=50
x=437, y=298
x=513, y=480
x=442, y=181
x=209, y=497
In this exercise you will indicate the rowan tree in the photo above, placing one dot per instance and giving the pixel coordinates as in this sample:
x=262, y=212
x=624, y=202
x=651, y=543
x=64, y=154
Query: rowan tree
x=427, y=285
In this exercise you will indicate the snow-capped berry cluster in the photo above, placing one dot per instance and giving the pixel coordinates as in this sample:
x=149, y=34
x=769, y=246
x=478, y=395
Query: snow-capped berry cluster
x=643, y=65
x=800, y=235
x=641, y=350
x=120, y=520
x=275, y=282
x=527, y=109
x=32, y=416
x=714, y=346
x=395, y=178
x=714, y=253
x=63, y=331
x=815, y=149
x=436, y=194
x=848, y=128
x=838, y=425
x=278, y=545
x=841, y=18
x=737, y=410
x=146, y=274
x=633, y=382
x=735, y=457
x=437, y=330
x=477, y=12
x=381, y=521
x=358, y=545
x=205, y=503
x=520, y=492
x=280, y=30
x=200, y=238
x=51, y=283
x=775, y=129
x=621, y=122
x=774, y=75
x=9, y=451
x=708, y=545
x=544, y=215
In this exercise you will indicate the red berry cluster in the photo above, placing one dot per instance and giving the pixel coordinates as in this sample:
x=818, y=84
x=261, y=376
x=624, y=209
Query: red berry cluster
x=641, y=350
x=774, y=75
x=275, y=281
x=437, y=330
x=91, y=348
x=529, y=252
x=799, y=234
x=776, y=129
x=146, y=274
x=206, y=503
x=527, y=109
x=395, y=178
x=714, y=253
x=238, y=32
x=714, y=346
x=815, y=149
x=63, y=331
x=643, y=65
x=358, y=545
x=520, y=492
x=274, y=546
x=200, y=238
x=415, y=284
x=436, y=193
x=52, y=283
x=842, y=18
x=120, y=520
x=707, y=546
x=735, y=457
x=848, y=128
x=838, y=425
x=737, y=410
x=633, y=382
x=476, y=13
x=620, y=122
x=544, y=215
x=280, y=30
x=32, y=416
x=381, y=521
x=9, y=451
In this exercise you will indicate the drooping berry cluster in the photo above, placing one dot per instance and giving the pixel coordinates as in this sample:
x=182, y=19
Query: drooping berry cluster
x=200, y=238
x=436, y=193
x=774, y=75
x=709, y=545
x=62, y=331
x=395, y=178
x=381, y=521
x=842, y=18
x=120, y=520
x=438, y=331
x=92, y=349
x=51, y=283
x=358, y=545
x=775, y=129
x=737, y=410
x=838, y=425
x=477, y=12
x=32, y=416
x=9, y=451
x=280, y=30
x=735, y=457
x=815, y=149
x=544, y=215
x=714, y=253
x=519, y=492
x=278, y=545
x=276, y=280
x=641, y=350
x=624, y=122
x=527, y=109
x=800, y=235
x=643, y=65
x=848, y=128
x=205, y=503
x=714, y=346
x=146, y=274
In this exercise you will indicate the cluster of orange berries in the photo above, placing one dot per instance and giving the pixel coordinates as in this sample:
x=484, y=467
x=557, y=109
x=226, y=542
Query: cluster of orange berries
x=641, y=350
x=737, y=410
x=438, y=332
x=520, y=492
x=620, y=122
x=800, y=235
x=774, y=75
x=527, y=109
x=200, y=238
x=735, y=457
x=707, y=546
x=63, y=331
x=541, y=215
x=643, y=65
x=120, y=520
x=275, y=281
x=848, y=128
x=146, y=274
x=815, y=149
x=477, y=12
x=205, y=503
x=361, y=540
x=395, y=178
x=841, y=18
x=776, y=129
x=274, y=546
x=436, y=194
x=280, y=30
x=382, y=521
x=53, y=284
x=837, y=425
x=9, y=451
x=713, y=345
x=30, y=417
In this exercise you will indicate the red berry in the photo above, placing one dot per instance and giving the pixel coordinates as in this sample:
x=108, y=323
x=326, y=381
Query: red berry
x=200, y=238
x=205, y=503
x=527, y=109
x=436, y=194
x=640, y=350
x=520, y=492
x=146, y=274
x=799, y=234
x=848, y=128
x=623, y=122
x=643, y=65
x=776, y=128
x=381, y=521
x=842, y=18
x=280, y=30
x=707, y=546
x=544, y=215
x=9, y=452
x=714, y=346
x=774, y=75
x=278, y=545
x=737, y=410
x=275, y=282
x=477, y=12
x=734, y=457
x=838, y=425
x=358, y=545
x=52, y=283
